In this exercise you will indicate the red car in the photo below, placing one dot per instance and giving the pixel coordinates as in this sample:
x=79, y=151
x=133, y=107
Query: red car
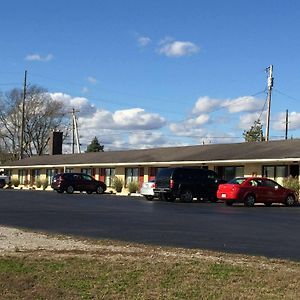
x=251, y=190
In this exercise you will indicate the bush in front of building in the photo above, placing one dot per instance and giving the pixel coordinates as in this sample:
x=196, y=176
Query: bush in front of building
x=293, y=184
x=15, y=182
x=133, y=186
x=44, y=184
x=38, y=183
x=118, y=184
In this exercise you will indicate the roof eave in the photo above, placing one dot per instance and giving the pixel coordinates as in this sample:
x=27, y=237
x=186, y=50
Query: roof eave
x=160, y=163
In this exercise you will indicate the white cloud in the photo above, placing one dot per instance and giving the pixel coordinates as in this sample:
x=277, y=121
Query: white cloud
x=244, y=104
x=137, y=117
x=128, y=119
x=241, y=104
x=143, y=41
x=117, y=129
x=92, y=80
x=137, y=128
x=147, y=139
x=79, y=103
x=223, y=128
x=172, y=48
x=206, y=105
x=38, y=57
x=190, y=127
x=198, y=121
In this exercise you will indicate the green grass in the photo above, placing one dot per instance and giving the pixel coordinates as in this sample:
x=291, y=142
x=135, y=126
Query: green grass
x=147, y=273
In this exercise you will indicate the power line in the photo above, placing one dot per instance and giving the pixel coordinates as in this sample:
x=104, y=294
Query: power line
x=284, y=94
x=139, y=96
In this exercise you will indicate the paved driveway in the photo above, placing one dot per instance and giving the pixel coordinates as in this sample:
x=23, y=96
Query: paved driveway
x=269, y=231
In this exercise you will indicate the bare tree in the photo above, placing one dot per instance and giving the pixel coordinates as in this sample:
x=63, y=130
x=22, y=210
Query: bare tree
x=42, y=115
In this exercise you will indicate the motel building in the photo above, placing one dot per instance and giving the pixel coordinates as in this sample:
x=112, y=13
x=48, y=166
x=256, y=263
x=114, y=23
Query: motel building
x=274, y=159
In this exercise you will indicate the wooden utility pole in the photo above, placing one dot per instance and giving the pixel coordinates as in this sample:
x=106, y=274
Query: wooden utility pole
x=270, y=86
x=75, y=135
x=286, y=124
x=23, y=117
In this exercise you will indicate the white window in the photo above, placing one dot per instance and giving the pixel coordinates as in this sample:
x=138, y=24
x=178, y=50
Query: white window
x=109, y=175
x=132, y=174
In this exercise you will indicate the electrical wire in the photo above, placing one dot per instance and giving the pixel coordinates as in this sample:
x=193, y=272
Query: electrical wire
x=284, y=94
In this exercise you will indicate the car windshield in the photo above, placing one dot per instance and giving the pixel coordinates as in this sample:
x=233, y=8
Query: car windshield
x=238, y=180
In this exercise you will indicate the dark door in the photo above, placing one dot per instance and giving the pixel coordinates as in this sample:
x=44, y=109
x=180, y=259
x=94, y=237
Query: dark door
x=88, y=183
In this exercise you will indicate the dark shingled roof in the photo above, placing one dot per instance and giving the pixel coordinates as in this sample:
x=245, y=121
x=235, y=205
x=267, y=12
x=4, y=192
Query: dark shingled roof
x=214, y=152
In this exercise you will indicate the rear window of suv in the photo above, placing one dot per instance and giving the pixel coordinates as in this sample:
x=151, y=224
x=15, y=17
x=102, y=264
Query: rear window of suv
x=165, y=173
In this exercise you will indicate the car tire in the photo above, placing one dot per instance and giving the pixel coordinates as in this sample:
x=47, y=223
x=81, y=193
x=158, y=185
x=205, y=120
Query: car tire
x=70, y=189
x=89, y=192
x=99, y=190
x=186, y=196
x=290, y=200
x=268, y=204
x=60, y=191
x=249, y=200
x=149, y=197
x=229, y=203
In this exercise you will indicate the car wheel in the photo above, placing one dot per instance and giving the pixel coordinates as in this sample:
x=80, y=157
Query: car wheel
x=249, y=200
x=148, y=197
x=186, y=196
x=99, y=190
x=89, y=192
x=2, y=184
x=70, y=189
x=268, y=203
x=290, y=200
x=229, y=203
x=60, y=191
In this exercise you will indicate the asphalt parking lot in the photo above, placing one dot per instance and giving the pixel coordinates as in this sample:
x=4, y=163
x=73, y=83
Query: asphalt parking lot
x=267, y=231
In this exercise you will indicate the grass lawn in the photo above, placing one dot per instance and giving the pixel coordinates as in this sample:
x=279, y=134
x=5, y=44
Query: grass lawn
x=123, y=271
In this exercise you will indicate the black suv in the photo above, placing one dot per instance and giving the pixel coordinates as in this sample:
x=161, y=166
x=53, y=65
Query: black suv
x=186, y=184
x=71, y=182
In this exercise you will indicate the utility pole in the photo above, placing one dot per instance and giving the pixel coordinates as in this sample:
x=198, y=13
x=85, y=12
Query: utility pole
x=270, y=86
x=75, y=135
x=286, y=124
x=23, y=117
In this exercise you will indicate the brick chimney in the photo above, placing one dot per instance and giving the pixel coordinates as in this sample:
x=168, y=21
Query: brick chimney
x=55, y=143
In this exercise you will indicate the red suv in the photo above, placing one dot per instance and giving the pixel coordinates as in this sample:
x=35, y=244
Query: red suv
x=71, y=182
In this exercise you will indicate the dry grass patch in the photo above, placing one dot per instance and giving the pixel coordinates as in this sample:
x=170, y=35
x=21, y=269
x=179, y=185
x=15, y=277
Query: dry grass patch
x=114, y=270
x=145, y=273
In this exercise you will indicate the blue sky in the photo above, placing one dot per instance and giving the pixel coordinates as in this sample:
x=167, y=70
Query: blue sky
x=158, y=73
